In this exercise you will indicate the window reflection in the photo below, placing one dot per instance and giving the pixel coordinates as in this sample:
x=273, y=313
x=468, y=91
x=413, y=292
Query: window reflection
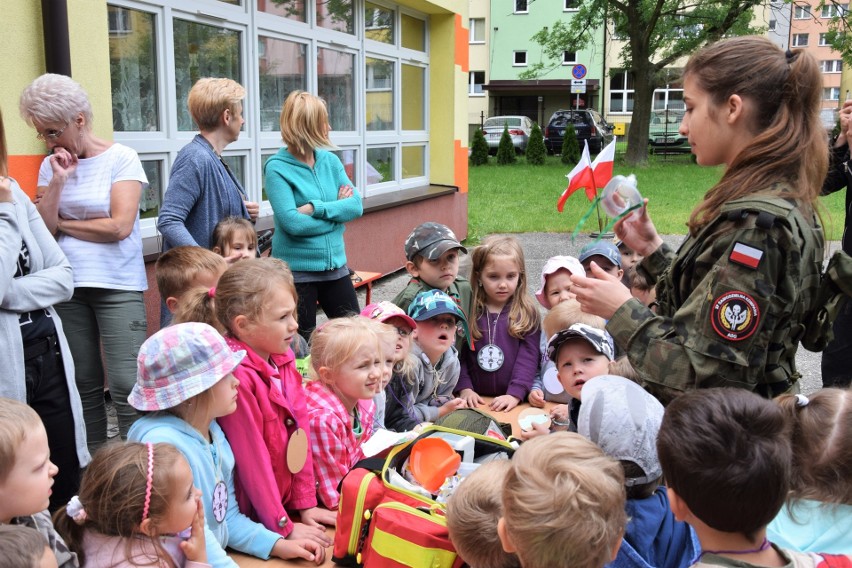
x=336, y=85
x=133, y=70
x=336, y=15
x=290, y=9
x=380, y=165
x=282, y=69
x=378, y=23
x=152, y=197
x=379, y=74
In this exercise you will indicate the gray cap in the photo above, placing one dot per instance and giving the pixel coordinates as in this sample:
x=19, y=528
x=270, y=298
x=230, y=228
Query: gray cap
x=431, y=240
x=623, y=419
x=605, y=249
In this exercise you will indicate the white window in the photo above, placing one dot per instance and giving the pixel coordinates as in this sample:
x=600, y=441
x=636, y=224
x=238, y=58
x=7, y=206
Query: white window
x=831, y=93
x=571, y=5
x=621, y=93
x=831, y=66
x=519, y=58
x=477, y=30
x=800, y=40
x=833, y=10
x=475, y=82
x=119, y=20
x=801, y=12
x=569, y=57
x=823, y=39
x=521, y=7
x=771, y=25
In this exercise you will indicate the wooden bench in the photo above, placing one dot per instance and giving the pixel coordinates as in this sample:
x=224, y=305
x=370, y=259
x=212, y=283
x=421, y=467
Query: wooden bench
x=362, y=278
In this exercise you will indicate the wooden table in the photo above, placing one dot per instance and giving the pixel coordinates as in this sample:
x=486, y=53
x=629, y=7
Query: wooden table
x=251, y=562
x=362, y=278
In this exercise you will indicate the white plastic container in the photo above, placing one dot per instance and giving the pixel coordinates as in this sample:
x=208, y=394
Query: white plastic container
x=461, y=444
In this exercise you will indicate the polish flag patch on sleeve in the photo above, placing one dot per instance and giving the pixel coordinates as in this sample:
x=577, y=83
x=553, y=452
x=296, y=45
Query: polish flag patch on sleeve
x=746, y=255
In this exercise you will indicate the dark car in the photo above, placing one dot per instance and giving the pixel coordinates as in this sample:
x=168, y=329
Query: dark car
x=588, y=125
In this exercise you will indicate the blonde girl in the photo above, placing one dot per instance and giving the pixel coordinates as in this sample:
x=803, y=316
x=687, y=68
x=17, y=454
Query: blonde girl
x=254, y=303
x=184, y=383
x=138, y=506
x=346, y=370
x=818, y=514
x=506, y=335
x=234, y=238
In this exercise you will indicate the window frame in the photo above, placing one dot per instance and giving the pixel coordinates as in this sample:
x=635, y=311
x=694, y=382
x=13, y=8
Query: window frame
x=566, y=61
x=471, y=84
x=567, y=6
x=801, y=12
x=515, y=54
x=472, y=39
x=796, y=40
x=525, y=10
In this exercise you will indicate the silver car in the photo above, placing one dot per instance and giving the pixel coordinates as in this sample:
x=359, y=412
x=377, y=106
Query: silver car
x=519, y=129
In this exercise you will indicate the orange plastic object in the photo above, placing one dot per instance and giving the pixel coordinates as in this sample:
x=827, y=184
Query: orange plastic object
x=432, y=461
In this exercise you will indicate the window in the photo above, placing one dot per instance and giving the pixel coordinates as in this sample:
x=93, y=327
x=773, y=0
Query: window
x=771, y=25
x=621, y=93
x=378, y=23
x=133, y=72
x=823, y=39
x=569, y=57
x=519, y=58
x=338, y=16
x=281, y=69
x=119, y=20
x=293, y=9
x=800, y=40
x=831, y=66
x=477, y=30
x=833, y=10
x=831, y=94
x=801, y=12
x=571, y=5
x=521, y=6
x=477, y=79
x=336, y=84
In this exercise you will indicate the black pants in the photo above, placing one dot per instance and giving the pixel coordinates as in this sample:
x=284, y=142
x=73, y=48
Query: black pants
x=336, y=297
x=837, y=355
x=47, y=394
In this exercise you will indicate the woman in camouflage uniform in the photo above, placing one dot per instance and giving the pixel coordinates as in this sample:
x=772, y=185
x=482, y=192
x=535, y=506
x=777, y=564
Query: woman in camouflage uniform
x=734, y=297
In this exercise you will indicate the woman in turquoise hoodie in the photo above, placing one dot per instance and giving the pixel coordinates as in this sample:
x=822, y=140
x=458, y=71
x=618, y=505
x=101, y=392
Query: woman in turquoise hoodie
x=312, y=198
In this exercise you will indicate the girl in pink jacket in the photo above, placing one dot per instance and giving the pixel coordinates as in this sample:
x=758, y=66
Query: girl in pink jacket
x=254, y=304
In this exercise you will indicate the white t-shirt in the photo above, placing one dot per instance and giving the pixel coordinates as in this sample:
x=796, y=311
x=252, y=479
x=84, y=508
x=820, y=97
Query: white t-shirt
x=86, y=195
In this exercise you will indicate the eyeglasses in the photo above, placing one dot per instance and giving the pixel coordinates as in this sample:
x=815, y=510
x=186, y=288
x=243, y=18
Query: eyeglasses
x=51, y=134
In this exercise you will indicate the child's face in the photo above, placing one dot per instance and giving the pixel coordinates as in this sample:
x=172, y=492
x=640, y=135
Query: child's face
x=184, y=500
x=240, y=245
x=27, y=488
x=403, y=338
x=360, y=376
x=272, y=332
x=604, y=264
x=388, y=360
x=223, y=397
x=557, y=287
x=499, y=279
x=439, y=273
x=629, y=258
x=436, y=335
x=576, y=363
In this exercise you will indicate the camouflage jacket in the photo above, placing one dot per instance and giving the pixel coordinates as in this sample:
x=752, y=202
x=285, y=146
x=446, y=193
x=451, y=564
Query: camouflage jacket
x=732, y=302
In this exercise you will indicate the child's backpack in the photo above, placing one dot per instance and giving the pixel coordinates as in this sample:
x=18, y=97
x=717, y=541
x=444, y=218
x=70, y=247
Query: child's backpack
x=379, y=524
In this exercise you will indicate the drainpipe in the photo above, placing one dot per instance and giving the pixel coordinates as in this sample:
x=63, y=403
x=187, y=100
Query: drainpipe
x=57, y=48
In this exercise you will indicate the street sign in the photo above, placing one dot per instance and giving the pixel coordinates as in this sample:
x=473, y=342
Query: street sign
x=577, y=89
x=578, y=71
x=578, y=82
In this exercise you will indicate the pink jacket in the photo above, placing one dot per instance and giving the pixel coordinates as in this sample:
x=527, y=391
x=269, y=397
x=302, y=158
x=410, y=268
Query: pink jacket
x=259, y=431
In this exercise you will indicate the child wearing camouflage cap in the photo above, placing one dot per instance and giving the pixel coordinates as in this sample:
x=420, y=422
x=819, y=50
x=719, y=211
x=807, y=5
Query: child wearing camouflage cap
x=425, y=393
x=432, y=260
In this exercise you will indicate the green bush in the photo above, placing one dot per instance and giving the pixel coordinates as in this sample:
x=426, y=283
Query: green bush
x=535, y=147
x=506, y=150
x=570, y=146
x=479, y=149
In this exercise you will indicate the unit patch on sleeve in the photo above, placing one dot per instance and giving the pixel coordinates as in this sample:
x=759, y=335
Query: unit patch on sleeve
x=735, y=315
x=746, y=255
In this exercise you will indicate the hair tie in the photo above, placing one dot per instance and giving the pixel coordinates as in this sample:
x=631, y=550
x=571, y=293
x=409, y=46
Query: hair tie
x=790, y=56
x=802, y=400
x=211, y=292
x=150, y=483
x=75, y=510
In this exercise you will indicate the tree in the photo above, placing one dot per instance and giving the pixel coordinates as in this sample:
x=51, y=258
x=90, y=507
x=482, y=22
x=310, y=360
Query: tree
x=479, y=149
x=656, y=35
x=506, y=150
x=570, y=146
x=535, y=147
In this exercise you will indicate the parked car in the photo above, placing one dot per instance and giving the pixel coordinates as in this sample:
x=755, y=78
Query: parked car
x=663, y=135
x=519, y=129
x=588, y=125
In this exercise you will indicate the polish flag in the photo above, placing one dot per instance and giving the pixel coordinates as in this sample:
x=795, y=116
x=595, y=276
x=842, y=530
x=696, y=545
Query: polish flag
x=602, y=166
x=581, y=176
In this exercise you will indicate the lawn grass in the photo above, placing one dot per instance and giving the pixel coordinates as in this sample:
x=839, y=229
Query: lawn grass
x=520, y=198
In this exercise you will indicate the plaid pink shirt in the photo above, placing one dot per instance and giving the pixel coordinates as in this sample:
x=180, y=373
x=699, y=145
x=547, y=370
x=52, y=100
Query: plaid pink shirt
x=334, y=446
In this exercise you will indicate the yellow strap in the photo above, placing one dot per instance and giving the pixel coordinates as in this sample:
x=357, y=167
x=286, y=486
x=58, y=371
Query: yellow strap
x=406, y=552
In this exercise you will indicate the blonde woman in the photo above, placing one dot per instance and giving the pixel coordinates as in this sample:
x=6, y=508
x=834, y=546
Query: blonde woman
x=312, y=198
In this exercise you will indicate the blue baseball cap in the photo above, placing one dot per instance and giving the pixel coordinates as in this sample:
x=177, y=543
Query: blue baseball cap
x=605, y=249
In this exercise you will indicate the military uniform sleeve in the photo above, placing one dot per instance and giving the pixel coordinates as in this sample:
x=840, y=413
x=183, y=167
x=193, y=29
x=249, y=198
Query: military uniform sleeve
x=737, y=292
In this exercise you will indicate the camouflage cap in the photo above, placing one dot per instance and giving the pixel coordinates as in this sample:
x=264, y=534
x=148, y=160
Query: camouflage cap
x=598, y=338
x=431, y=240
x=431, y=303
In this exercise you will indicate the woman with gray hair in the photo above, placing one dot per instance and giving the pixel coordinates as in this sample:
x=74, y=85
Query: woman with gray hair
x=89, y=191
x=35, y=275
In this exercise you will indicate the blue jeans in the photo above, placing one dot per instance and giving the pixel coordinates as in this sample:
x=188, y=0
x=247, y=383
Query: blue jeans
x=109, y=322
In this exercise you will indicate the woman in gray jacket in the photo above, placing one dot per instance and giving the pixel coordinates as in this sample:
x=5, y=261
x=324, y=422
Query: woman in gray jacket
x=37, y=366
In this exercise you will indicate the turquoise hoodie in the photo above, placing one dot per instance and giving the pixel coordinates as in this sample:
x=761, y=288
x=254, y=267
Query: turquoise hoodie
x=309, y=243
x=210, y=463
